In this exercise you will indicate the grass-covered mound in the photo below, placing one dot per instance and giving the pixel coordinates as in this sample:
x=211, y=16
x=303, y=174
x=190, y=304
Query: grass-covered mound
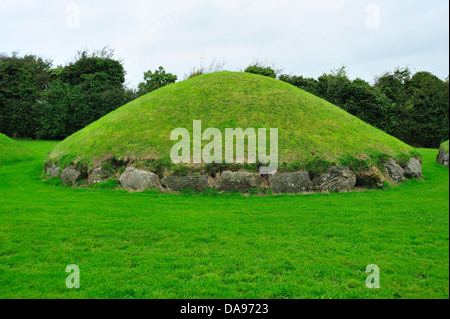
x=443, y=155
x=445, y=146
x=310, y=129
x=11, y=151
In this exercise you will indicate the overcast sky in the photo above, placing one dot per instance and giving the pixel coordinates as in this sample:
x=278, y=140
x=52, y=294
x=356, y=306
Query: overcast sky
x=301, y=37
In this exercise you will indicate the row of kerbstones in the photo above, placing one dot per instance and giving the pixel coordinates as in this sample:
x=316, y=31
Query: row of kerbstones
x=336, y=178
x=442, y=157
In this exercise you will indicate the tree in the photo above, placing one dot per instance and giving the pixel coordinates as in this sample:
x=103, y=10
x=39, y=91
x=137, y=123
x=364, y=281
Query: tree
x=81, y=93
x=68, y=108
x=98, y=71
x=420, y=106
x=394, y=85
x=22, y=80
x=369, y=104
x=155, y=80
x=308, y=84
x=335, y=86
x=427, y=115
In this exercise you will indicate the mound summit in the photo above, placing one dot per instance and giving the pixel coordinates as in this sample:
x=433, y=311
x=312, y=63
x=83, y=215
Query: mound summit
x=316, y=139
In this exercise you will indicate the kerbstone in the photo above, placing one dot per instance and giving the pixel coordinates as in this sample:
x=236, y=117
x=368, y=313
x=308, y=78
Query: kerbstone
x=139, y=180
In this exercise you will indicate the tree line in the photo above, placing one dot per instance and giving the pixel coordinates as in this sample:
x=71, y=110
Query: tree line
x=45, y=102
x=40, y=101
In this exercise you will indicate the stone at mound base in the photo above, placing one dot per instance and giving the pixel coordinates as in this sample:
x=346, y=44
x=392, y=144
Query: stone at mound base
x=238, y=181
x=370, y=177
x=297, y=182
x=70, y=176
x=96, y=176
x=139, y=180
x=394, y=171
x=337, y=179
x=52, y=170
x=178, y=183
x=442, y=157
x=413, y=169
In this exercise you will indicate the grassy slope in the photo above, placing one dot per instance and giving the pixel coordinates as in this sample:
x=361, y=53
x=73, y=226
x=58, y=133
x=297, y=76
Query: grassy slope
x=136, y=245
x=229, y=100
x=445, y=146
x=11, y=151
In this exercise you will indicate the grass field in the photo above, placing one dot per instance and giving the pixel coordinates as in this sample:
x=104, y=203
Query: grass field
x=149, y=245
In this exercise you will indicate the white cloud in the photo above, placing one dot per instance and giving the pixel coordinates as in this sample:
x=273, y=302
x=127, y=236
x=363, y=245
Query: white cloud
x=303, y=37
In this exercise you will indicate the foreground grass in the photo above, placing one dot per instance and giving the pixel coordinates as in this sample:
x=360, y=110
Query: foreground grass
x=148, y=245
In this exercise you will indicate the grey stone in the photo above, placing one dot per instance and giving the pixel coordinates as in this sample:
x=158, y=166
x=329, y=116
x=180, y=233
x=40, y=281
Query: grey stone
x=238, y=181
x=370, y=177
x=96, y=176
x=413, y=169
x=139, y=180
x=297, y=182
x=394, y=171
x=338, y=179
x=52, y=170
x=442, y=157
x=178, y=183
x=70, y=176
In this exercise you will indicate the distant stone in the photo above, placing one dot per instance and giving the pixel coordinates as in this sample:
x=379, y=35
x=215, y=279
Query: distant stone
x=178, y=183
x=413, y=169
x=70, y=176
x=442, y=157
x=338, y=179
x=52, y=170
x=297, y=182
x=139, y=180
x=394, y=171
x=96, y=176
x=370, y=177
x=238, y=181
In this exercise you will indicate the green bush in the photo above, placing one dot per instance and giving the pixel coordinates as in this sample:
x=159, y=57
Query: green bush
x=261, y=70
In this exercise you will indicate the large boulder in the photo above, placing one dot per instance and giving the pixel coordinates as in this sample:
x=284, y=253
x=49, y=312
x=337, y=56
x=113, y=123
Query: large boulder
x=70, y=176
x=442, y=157
x=178, y=183
x=297, y=182
x=394, y=171
x=139, y=180
x=337, y=179
x=52, y=170
x=96, y=176
x=413, y=169
x=370, y=177
x=238, y=181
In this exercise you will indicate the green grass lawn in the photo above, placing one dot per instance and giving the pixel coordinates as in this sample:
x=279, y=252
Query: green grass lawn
x=149, y=245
